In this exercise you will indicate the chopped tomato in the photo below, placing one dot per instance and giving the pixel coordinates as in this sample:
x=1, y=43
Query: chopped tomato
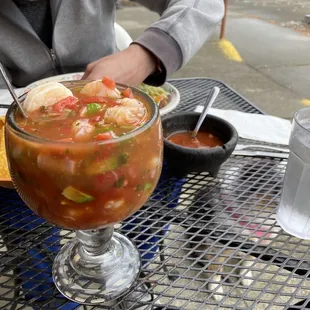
x=65, y=130
x=93, y=99
x=95, y=119
x=106, y=180
x=132, y=174
x=104, y=136
x=128, y=93
x=108, y=82
x=68, y=102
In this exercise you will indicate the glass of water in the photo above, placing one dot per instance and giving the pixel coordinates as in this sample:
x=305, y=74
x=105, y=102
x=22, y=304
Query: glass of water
x=294, y=210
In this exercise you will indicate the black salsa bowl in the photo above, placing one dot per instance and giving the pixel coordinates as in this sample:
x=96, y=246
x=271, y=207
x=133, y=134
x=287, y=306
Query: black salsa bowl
x=183, y=160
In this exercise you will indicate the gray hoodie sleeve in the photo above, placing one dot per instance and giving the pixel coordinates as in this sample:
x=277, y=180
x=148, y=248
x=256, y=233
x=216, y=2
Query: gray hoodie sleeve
x=182, y=29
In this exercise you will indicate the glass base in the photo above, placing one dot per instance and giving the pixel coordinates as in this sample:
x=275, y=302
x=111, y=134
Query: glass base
x=97, y=267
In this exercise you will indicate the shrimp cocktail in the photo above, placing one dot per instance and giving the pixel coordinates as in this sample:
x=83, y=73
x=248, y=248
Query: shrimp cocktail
x=88, y=156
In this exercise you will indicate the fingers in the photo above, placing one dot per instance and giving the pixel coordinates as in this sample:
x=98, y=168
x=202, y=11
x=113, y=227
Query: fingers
x=95, y=74
x=89, y=68
x=87, y=72
x=129, y=66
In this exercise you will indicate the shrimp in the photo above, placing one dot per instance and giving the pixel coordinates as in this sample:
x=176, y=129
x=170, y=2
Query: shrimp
x=46, y=94
x=114, y=204
x=82, y=129
x=97, y=88
x=62, y=165
x=128, y=112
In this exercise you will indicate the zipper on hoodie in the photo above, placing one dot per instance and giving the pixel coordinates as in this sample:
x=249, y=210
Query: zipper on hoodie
x=55, y=60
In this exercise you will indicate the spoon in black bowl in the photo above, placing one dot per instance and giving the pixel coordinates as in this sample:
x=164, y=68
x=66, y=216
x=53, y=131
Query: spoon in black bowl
x=210, y=100
x=11, y=90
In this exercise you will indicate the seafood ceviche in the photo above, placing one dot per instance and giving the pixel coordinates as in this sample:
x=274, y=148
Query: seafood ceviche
x=99, y=111
x=159, y=95
x=91, y=155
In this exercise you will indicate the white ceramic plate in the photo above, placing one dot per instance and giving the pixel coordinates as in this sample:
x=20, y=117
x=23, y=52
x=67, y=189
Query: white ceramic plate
x=174, y=97
x=56, y=78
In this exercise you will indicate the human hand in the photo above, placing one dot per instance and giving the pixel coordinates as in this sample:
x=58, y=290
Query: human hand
x=130, y=66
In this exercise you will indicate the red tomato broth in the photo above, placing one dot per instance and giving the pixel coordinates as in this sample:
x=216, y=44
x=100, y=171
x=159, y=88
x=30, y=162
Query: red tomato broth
x=117, y=178
x=202, y=140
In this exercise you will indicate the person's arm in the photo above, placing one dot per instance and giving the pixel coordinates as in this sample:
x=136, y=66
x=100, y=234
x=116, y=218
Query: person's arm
x=182, y=29
x=164, y=47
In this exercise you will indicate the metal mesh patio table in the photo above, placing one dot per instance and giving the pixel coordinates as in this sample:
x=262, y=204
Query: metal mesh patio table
x=205, y=243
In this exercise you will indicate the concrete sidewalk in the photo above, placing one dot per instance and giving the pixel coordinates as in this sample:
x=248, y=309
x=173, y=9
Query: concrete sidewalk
x=275, y=63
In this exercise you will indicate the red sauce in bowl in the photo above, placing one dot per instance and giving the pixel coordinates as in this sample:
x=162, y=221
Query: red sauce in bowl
x=202, y=140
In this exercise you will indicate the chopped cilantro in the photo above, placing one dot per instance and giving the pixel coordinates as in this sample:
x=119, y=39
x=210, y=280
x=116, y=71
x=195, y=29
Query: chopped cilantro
x=123, y=158
x=43, y=109
x=147, y=186
x=120, y=182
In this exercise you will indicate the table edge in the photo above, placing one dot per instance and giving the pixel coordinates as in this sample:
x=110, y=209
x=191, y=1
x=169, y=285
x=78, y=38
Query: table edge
x=223, y=83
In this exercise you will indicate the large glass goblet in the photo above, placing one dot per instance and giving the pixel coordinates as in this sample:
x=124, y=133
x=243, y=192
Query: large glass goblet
x=118, y=175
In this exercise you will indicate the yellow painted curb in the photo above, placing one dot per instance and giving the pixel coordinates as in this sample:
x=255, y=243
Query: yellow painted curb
x=305, y=101
x=229, y=50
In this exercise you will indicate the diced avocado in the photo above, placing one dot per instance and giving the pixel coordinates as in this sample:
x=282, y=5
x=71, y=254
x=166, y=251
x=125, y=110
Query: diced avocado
x=108, y=164
x=144, y=187
x=103, y=166
x=75, y=195
x=103, y=129
x=147, y=186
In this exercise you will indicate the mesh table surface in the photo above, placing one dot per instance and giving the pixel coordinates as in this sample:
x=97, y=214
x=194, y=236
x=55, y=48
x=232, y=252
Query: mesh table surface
x=205, y=243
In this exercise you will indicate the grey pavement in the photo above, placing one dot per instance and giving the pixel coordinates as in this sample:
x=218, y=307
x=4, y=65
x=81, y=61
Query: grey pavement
x=274, y=73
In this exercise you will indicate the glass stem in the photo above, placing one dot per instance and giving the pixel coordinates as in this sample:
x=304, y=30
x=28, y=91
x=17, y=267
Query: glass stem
x=95, y=242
